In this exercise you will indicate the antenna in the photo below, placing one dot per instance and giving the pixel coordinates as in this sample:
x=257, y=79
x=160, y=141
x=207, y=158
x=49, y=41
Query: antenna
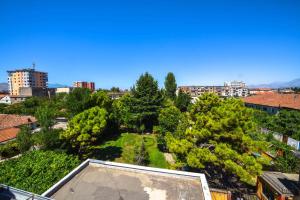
x=33, y=65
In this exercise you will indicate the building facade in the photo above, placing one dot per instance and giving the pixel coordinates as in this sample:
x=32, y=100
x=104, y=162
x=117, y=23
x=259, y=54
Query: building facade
x=84, y=84
x=26, y=78
x=66, y=90
x=232, y=89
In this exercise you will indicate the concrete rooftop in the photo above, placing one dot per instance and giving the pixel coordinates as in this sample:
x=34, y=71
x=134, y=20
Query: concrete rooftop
x=115, y=181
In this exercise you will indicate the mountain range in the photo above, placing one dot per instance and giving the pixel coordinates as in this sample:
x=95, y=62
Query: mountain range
x=3, y=87
x=293, y=83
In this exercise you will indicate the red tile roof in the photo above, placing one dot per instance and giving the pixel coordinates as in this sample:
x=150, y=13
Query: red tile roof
x=291, y=101
x=9, y=121
x=8, y=134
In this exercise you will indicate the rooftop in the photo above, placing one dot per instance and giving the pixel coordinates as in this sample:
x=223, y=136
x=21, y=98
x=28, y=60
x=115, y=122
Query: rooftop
x=282, y=183
x=9, y=121
x=95, y=179
x=8, y=134
x=291, y=101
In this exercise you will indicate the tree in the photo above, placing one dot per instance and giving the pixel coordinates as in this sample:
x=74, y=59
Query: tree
x=24, y=140
x=217, y=138
x=286, y=161
x=287, y=122
x=78, y=100
x=46, y=117
x=101, y=99
x=170, y=85
x=141, y=108
x=182, y=101
x=115, y=89
x=168, y=119
x=48, y=139
x=85, y=128
x=141, y=155
x=36, y=171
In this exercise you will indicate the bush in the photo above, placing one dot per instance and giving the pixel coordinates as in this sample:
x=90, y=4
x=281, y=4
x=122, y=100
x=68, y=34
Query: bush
x=36, y=171
x=9, y=149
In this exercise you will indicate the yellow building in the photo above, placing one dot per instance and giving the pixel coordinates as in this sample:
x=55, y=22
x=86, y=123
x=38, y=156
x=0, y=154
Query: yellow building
x=28, y=78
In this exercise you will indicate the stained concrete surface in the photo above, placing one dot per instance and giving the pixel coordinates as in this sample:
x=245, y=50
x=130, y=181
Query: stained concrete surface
x=103, y=183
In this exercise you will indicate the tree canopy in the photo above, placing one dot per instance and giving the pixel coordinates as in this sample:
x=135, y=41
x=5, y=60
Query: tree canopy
x=85, y=128
x=78, y=100
x=217, y=135
x=140, y=110
x=170, y=86
x=24, y=139
x=182, y=101
x=36, y=171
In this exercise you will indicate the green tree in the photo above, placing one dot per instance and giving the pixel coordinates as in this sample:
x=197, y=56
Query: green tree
x=101, y=99
x=36, y=171
x=217, y=137
x=287, y=162
x=45, y=116
x=141, y=155
x=48, y=139
x=141, y=108
x=115, y=89
x=169, y=118
x=78, y=100
x=287, y=122
x=170, y=86
x=182, y=101
x=24, y=139
x=85, y=128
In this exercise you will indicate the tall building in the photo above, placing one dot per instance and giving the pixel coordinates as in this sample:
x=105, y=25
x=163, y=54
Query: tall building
x=84, y=84
x=26, y=78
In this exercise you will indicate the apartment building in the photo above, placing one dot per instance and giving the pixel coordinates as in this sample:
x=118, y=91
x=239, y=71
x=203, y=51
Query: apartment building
x=84, y=84
x=26, y=78
x=232, y=89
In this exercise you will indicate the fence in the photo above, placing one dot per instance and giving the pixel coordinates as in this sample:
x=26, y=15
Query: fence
x=278, y=136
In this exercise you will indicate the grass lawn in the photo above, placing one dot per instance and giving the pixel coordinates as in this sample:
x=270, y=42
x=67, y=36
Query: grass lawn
x=122, y=148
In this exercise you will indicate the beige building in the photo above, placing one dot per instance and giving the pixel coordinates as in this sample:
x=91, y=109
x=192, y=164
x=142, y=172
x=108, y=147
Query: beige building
x=26, y=78
x=66, y=90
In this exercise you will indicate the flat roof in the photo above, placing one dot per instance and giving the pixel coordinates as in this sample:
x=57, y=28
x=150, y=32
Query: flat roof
x=95, y=179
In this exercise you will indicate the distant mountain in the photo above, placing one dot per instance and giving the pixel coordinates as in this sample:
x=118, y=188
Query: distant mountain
x=56, y=85
x=293, y=83
x=3, y=87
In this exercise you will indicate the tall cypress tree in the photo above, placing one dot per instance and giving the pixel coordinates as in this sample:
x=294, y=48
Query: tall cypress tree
x=170, y=85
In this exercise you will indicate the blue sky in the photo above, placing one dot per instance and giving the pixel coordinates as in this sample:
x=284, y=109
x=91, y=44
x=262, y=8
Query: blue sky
x=113, y=42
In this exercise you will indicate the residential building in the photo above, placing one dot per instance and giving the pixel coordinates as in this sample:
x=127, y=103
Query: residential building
x=256, y=91
x=232, y=89
x=273, y=102
x=5, y=99
x=26, y=78
x=116, y=95
x=102, y=180
x=84, y=84
x=10, y=125
x=66, y=90
x=278, y=185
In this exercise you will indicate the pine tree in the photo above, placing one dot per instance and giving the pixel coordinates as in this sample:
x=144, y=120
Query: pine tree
x=170, y=85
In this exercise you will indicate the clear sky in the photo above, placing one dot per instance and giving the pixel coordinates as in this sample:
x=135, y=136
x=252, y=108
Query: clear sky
x=112, y=42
